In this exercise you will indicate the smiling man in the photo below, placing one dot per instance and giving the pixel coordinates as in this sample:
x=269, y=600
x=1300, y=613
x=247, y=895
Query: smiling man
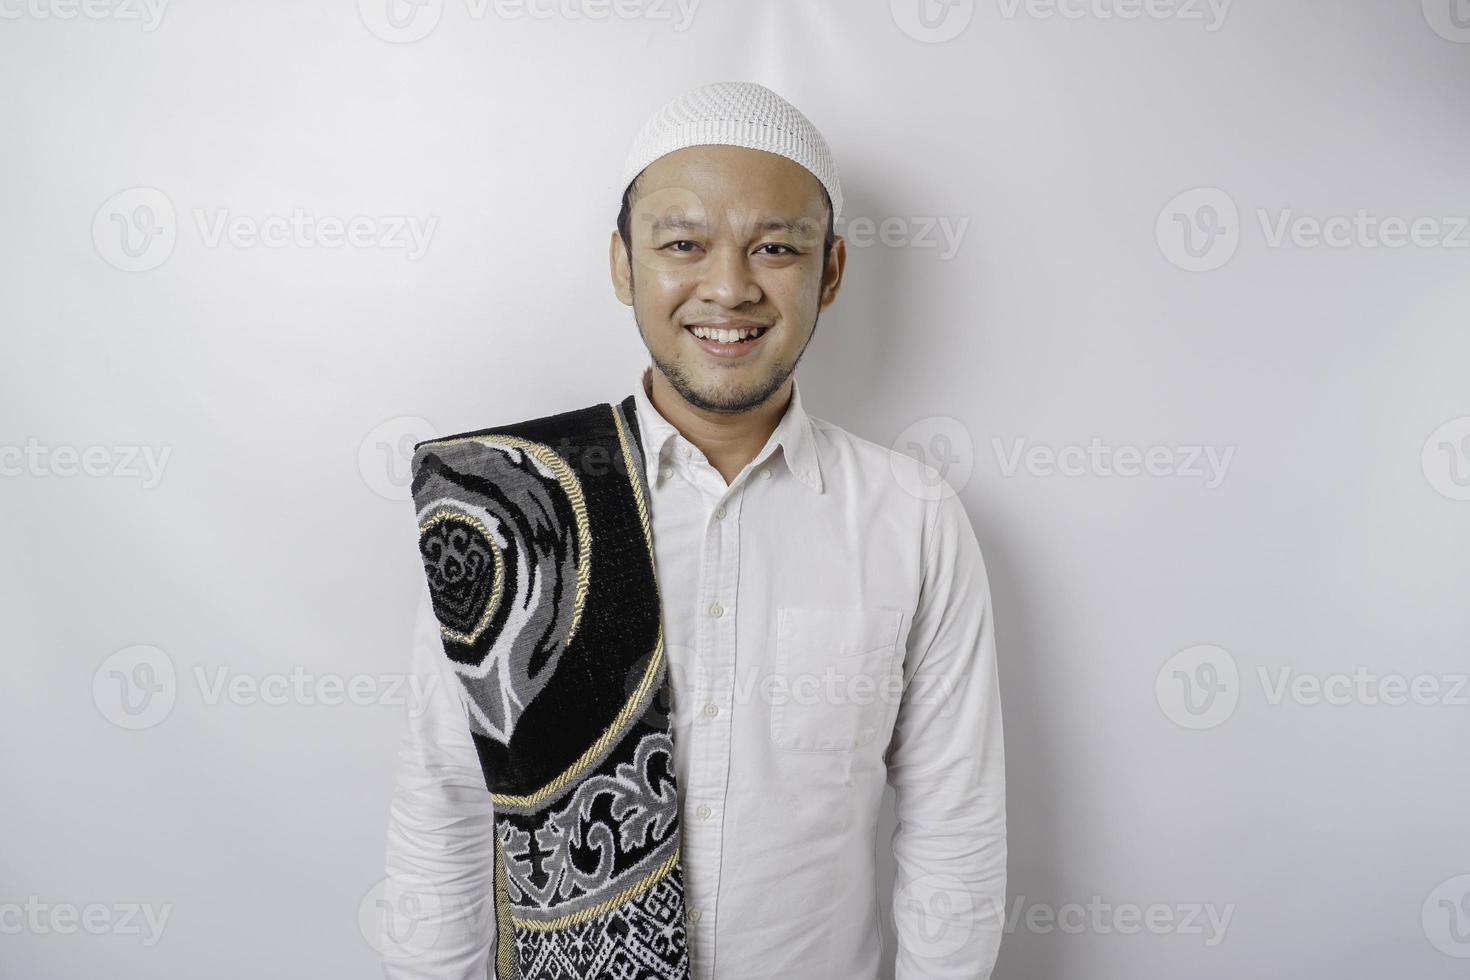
x=727, y=256
x=672, y=689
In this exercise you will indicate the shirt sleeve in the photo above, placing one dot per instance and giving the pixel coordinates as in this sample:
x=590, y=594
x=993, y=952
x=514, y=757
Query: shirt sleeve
x=946, y=764
x=439, y=898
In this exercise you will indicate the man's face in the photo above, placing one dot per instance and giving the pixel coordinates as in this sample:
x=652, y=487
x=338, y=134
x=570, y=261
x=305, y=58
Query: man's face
x=726, y=237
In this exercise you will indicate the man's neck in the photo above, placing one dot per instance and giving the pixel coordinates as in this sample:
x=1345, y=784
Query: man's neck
x=728, y=440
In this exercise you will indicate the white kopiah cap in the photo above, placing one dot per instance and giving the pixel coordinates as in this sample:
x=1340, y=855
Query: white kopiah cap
x=735, y=114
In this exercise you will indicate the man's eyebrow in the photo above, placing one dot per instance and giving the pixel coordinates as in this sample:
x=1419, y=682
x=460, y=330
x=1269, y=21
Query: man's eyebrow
x=677, y=221
x=796, y=226
x=670, y=222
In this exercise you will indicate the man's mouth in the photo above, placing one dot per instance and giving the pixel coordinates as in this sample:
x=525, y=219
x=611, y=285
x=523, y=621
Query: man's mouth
x=727, y=341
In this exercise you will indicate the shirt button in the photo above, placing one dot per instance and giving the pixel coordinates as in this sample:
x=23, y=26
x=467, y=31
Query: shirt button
x=711, y=709
x=666, y=471
x=765, y=473
x=685, y=450
x=694, y=915
x=704, y=811
x=721, y=511
x=716, y=609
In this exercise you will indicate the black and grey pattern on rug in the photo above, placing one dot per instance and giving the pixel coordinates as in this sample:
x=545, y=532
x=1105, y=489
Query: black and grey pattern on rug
x=537, y=545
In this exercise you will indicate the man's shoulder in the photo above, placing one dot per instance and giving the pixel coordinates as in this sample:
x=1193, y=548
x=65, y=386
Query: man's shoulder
x=900, y=467
x=557, y=441
x=570, y=420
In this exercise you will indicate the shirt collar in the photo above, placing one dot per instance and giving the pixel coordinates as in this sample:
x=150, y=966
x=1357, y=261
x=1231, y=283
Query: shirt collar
x=794, y=434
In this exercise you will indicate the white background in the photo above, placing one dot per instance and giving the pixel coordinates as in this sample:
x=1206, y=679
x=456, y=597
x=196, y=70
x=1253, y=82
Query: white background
x=284, y=383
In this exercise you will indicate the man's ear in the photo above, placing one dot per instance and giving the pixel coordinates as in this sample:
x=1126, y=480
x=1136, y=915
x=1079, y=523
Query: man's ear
x=621, y=269
x=832, y=274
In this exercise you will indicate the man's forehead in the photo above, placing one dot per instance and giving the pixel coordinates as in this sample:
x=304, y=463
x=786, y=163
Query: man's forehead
x=735, y=175
x=708, y=156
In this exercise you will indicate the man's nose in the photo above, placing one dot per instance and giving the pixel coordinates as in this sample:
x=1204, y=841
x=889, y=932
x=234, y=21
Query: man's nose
x=727, y=278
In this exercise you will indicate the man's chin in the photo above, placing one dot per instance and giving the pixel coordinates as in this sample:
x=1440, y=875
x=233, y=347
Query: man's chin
x=718, y=389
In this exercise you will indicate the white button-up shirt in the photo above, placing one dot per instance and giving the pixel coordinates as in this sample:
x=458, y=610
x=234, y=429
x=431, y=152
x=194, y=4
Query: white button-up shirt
x=828, y=625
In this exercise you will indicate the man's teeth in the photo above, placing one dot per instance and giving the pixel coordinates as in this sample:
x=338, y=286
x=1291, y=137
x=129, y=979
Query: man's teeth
x=726, y=336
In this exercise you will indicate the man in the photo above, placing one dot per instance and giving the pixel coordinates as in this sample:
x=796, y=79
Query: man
x=825, y=609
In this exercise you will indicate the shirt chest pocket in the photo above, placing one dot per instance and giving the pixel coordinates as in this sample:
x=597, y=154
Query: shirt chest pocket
x=836, y=676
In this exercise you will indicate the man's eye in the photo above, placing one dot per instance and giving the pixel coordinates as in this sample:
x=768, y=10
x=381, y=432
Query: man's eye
x=788, y=248
x=683, y=241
